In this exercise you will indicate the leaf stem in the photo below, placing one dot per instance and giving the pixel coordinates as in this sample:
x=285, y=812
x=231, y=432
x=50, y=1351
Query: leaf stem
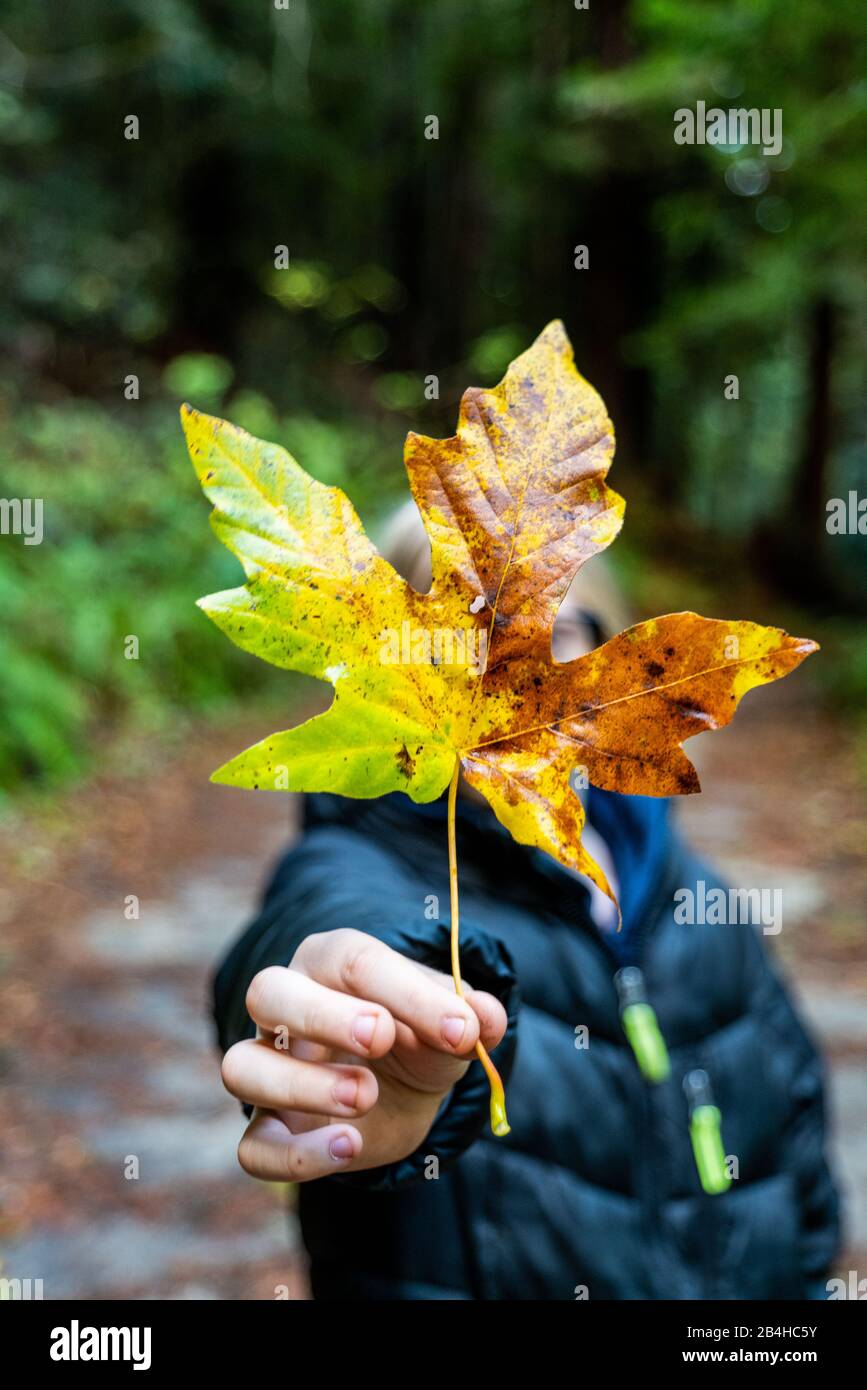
x=499, y=1123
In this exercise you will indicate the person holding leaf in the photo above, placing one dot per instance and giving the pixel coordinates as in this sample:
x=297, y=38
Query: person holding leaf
x=665, y=1135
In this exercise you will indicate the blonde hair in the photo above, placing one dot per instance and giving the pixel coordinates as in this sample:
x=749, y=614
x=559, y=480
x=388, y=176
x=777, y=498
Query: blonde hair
x=405, y=545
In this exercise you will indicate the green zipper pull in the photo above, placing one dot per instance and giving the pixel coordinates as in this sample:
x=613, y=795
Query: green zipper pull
x=640, y=1026
x=706, y=1134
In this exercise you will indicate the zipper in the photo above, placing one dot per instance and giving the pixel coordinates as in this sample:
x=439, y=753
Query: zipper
x=639, y=1022
x=641, y=1026
x=646, y=1040
x=705, y=1132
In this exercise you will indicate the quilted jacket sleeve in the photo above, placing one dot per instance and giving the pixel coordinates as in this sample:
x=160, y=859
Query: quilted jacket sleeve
x=333, y=879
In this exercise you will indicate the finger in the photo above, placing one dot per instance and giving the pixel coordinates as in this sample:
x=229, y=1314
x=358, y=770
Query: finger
x=493, y=1019
x=360, y=965
x=256, y=1072
x=290, y=1000
x=424, y=1068
x=269, y=1151
x=312, y=1052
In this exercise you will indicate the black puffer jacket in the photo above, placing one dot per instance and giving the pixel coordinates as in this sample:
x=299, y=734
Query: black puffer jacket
x=595, y=1189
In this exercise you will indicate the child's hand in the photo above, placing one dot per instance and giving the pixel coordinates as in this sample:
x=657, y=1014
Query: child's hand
x=351, y=1030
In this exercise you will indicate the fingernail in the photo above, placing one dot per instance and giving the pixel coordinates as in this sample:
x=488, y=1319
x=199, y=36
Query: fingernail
x=364, y=1028
x=341, y=1147
x=346, y=1092
x=454, y=1029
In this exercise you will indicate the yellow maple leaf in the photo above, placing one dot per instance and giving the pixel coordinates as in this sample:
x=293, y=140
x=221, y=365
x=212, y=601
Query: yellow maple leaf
x=463, y=677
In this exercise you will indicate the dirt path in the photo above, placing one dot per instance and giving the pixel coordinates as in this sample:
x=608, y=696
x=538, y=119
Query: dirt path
x=106, y=1047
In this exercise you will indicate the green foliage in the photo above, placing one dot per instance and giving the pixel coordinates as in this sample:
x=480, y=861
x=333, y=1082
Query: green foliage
x=844, y=672
x=407, y=258
x=201, y=374
x=748, y=244
x=304, y=128
x=124, y=553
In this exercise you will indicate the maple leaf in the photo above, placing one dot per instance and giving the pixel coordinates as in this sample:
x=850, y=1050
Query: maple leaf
x=513, y=504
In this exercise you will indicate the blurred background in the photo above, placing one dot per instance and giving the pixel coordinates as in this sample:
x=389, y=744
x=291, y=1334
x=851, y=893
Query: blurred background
x=153, y=258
